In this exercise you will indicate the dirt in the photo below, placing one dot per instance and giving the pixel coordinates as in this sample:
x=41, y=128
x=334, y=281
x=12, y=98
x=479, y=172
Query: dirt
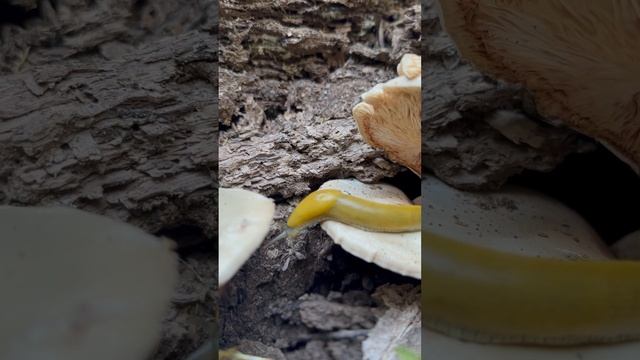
x=110, y=107
x=290, y=73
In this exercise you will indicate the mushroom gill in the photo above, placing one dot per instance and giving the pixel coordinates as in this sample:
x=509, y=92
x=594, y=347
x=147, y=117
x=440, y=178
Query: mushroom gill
x=389, y=115
x=578, y=58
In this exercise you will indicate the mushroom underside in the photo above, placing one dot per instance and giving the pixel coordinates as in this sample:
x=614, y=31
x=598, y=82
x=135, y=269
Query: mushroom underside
x=578, y=59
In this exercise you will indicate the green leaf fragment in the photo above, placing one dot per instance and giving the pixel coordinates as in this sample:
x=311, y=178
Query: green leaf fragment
x=406, y=354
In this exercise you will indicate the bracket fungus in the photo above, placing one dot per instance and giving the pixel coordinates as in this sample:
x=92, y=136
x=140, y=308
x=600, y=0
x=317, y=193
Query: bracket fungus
x=80, y=286
x=514, y=219
x=578, y=58
x=509, y=285
x=244, y=221
x=497, y=217
x=389, y=116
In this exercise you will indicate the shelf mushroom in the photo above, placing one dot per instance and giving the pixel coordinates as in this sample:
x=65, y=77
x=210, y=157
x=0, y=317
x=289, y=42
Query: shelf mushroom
x=529, y=229
x=389, y=115
x=80, y=286
x=579, y=59
x=244, y=221
x=513, y=219
x=399, y=252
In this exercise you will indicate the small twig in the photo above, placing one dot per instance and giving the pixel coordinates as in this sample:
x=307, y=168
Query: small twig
x=381, y=34
x=335, y=335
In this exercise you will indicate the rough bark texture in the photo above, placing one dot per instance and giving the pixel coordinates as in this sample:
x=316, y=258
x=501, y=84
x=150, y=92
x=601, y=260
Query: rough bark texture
x=459, y=142
x=399, y=326
x=290, y=73
x=111, y=107
x=283, y=129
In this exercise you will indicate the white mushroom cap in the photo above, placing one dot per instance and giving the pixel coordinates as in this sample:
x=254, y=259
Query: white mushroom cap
x=398, y=252
x=80, y=286
x=243, y=222
x=491, y=220
x=513, y=219
x=389, y=117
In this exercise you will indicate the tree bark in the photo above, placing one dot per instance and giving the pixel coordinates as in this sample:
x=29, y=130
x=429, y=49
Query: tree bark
x=460, y=145
x=131, y=138
x=290, y=74
x=112, y=108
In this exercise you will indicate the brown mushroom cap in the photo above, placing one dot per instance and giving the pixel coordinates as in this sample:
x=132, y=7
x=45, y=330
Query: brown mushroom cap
x=578, y=58
x=389, y=115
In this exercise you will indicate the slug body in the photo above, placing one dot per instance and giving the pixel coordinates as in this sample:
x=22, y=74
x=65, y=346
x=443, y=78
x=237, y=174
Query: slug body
x=330, y=204
x=482, y=295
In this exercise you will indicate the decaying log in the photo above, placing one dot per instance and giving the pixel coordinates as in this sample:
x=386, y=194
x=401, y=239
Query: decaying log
x=132, y=138
x=111, y=107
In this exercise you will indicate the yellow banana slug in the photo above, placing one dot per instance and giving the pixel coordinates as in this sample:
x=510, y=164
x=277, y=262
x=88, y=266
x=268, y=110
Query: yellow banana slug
x=482, y=295
x=330, y=204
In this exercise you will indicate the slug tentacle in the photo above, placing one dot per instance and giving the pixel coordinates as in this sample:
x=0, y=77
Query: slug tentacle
x=283, y=235
x=287, y=233
x=330, y=204
x=313, y=207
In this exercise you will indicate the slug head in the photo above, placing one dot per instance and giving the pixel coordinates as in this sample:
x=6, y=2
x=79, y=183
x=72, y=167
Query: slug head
x=313, y=208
